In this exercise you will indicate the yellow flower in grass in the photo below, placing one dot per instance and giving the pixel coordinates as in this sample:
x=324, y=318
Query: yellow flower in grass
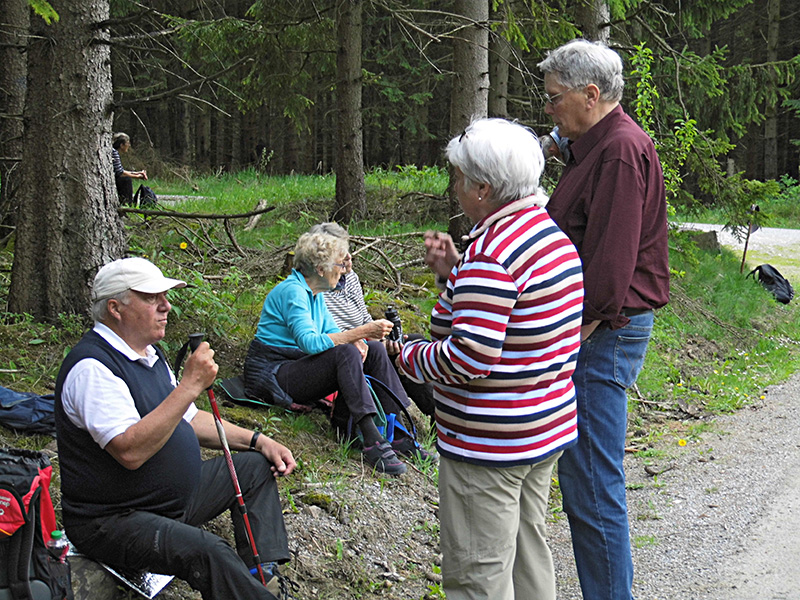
x=184, y=245
x=681, y=442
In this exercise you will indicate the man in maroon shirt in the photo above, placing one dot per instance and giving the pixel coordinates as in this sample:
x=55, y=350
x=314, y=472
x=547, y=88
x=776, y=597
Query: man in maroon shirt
x=610, y=202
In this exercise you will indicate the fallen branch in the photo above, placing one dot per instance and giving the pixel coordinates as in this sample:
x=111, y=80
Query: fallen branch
x=169, y=213
x=229, y=231
x=254, y=219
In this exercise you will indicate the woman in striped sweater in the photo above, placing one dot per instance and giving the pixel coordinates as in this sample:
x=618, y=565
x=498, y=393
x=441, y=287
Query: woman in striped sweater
x=505, y=337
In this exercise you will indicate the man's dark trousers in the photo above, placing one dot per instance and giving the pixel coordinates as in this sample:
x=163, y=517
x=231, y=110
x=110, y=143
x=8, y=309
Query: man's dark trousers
x=145, y=541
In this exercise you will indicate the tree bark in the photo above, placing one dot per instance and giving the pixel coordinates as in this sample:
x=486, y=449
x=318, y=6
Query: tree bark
x=470, y=93
x=499, y=60
x=351, y=195
x=771, y=108
x=68, y=222
x=593, y=17
x=13, y=68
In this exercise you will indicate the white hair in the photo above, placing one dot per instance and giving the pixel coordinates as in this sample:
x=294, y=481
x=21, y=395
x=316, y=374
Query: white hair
x=318, y=251
x=503, y=154
x=578, y=63
x=100, y=307
x=330, y=228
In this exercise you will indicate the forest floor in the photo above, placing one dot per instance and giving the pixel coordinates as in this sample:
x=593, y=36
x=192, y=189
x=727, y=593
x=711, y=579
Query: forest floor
x=714, y=519
x=717, y=521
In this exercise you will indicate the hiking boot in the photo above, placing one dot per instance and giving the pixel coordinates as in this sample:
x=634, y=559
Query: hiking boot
x=278, y=585
x=383, y=459
x=406, y=446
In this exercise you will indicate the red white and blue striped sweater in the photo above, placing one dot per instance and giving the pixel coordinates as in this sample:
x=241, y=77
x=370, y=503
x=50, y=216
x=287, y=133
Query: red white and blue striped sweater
x=506, y=334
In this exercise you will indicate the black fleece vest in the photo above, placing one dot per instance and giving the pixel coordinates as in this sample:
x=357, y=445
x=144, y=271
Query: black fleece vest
x=93, y=483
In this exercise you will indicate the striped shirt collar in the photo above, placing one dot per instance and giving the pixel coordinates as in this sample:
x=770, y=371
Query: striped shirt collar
x=500, y=213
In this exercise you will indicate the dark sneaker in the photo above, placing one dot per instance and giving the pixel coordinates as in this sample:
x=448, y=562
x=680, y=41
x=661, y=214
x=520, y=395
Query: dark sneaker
x=406, y=446
x=383, y=459
x=278, y=585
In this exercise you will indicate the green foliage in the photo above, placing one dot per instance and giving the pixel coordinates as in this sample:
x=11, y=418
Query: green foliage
x=721, y=360
x=778, y=202
x=408, y=178
x=793, y=104
x=211, y=307
x=695, y=103
x=44, y=10
x=672, y=150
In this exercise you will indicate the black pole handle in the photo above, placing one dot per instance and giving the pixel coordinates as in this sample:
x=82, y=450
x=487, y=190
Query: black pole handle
x=195, y=339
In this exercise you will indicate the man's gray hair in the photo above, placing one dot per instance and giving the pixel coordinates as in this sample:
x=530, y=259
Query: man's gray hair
x=578, y=63
x=100, y=307
x=318, y=251
x=330, y=228
x=503, y=154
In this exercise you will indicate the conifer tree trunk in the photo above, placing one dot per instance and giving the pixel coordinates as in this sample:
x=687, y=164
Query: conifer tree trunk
x=593, y=17
x=771, y=109
x=470, y=93
x=499, y=60
x=13, y=68
x=351, y=195
x=68, y=222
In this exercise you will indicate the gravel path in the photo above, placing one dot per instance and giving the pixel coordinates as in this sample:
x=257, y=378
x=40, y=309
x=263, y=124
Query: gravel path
x=722, y=520
x=780, y=247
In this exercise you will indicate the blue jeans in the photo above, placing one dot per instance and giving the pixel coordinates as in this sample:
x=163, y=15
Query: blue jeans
x=591, y=474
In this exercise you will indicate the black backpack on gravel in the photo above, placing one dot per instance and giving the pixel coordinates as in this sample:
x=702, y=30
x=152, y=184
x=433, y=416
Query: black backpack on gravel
x=774, y=282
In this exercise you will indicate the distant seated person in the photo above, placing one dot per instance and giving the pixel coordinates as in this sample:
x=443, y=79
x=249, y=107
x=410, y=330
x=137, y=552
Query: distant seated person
x=346, y=304
x=299, y=355
x=135, y=490
x=121, y=142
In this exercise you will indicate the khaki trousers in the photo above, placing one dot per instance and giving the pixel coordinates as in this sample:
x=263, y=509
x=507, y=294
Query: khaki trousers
x=493, y=538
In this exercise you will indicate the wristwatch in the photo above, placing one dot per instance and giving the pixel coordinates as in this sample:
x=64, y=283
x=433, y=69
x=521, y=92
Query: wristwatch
x=254, y=439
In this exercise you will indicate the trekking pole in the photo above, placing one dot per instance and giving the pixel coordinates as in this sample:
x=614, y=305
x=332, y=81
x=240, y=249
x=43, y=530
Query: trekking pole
x=194, y=342
x=753, y=209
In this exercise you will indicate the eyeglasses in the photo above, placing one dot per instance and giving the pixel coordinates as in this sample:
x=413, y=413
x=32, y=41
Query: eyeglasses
x=341, y=265
x=554, y=99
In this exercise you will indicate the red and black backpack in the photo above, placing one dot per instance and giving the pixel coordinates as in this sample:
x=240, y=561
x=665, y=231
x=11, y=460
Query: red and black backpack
x=26, y=520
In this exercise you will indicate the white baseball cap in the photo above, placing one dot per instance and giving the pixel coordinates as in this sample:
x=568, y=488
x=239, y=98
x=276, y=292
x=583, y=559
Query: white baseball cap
x=135, y=274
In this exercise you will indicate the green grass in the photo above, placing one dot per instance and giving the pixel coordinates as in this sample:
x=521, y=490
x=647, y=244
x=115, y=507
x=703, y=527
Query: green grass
x=780, y=210
x=715, y=348
x=722, y=340
x=643, y=541
x=718, y=344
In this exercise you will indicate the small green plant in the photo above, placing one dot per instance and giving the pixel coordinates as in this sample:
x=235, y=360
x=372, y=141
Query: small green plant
x=339, y=549
x=651, y=514
x=435, y=590
x=643, y=541
x=290, y=499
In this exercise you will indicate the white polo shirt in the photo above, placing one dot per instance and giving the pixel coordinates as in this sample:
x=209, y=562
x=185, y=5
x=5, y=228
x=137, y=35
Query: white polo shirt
x=98, y=401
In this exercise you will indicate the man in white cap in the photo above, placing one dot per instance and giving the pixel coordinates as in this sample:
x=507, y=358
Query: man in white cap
x=134, y=487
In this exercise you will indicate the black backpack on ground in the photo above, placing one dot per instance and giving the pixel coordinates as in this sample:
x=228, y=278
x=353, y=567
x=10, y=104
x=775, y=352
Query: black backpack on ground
x=774, y=282
x=26, y=520
x=145, y=197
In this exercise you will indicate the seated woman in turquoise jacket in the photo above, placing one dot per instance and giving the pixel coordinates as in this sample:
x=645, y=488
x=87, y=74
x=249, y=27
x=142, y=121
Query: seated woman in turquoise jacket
x=300, y=355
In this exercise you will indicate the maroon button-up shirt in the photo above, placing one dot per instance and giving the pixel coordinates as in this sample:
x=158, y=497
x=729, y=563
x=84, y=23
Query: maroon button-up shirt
x=610, y=202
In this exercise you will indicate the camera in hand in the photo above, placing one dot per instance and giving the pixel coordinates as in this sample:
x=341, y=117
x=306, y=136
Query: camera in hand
x=396, y=334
